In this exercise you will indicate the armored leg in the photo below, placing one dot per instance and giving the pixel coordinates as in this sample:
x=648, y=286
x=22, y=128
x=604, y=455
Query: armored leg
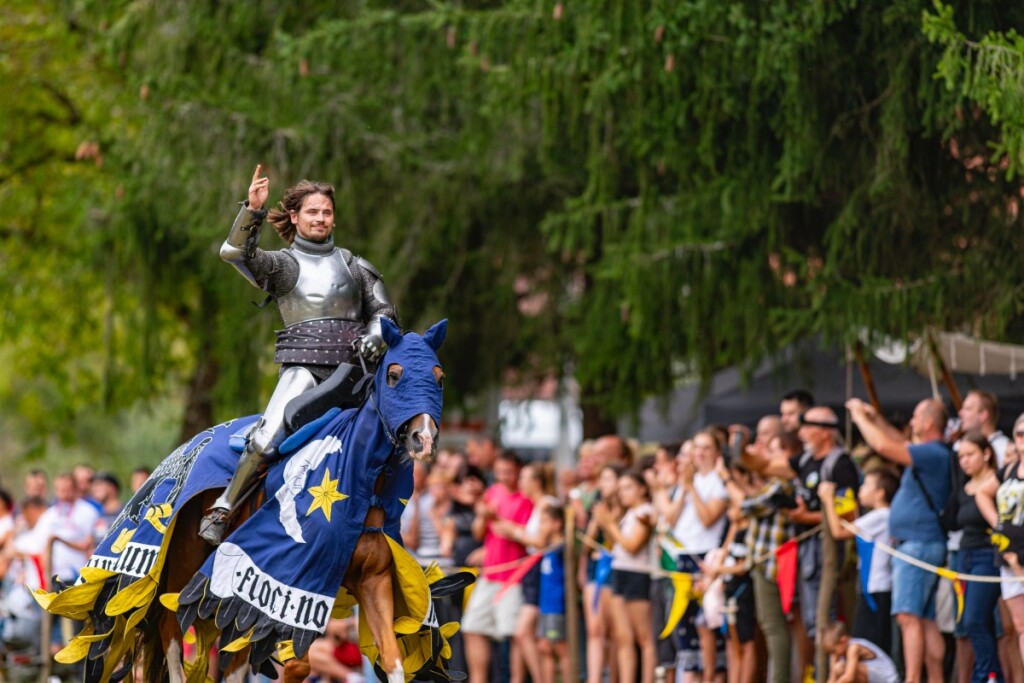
x=261, y=448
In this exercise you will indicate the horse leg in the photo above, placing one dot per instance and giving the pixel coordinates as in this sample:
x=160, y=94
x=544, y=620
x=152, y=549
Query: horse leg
x=238, y=669
x=171, y=639
x=377, y=602
x=296, y=670
x=369, y=580
x=189, y=553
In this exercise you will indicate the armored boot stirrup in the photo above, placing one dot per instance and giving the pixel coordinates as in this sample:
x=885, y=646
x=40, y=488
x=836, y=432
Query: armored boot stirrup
x=213, y=526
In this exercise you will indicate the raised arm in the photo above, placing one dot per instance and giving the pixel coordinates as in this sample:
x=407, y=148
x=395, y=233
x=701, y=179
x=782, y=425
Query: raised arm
x=883, y=438
x=708, y=511
x=240, y=246
x=852, y=660
x=667, y=508
x=766, y=467
x=632, y=543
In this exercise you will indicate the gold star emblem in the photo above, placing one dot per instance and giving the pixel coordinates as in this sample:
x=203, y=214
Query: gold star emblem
x=325, y=495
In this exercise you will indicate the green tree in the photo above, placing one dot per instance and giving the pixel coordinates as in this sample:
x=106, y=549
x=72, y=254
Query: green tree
x=637, y=191
x=984, y=66
x=68, y=321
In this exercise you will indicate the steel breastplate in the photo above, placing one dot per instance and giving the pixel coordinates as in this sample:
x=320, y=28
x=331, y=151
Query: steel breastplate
x=325, y=289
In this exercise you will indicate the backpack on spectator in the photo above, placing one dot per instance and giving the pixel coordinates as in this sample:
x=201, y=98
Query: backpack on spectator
x=948, y=514
x=825, y=473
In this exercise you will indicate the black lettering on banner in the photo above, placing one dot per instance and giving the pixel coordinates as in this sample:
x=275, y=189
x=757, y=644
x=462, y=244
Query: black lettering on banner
x=130, y=556
x=249, y=573
x=320, y=614
x=302, y=614
x=149, y=556
x=287, y=602
x=280, y=602
x=264, y=598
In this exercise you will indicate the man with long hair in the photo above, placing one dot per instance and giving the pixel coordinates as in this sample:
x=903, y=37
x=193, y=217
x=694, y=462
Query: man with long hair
x=331, y=302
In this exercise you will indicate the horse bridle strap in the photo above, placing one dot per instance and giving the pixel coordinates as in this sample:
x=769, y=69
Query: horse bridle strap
x=368, y=380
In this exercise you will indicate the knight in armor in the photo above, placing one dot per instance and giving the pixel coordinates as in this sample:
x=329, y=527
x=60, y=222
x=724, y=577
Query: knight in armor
x=330, y=300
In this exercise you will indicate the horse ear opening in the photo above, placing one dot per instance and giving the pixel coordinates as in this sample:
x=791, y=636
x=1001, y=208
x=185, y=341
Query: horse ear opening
x=392, y=335
x=436, y=334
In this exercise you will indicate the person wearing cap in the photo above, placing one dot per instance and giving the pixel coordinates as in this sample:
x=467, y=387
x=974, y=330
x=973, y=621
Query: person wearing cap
x=824, y=459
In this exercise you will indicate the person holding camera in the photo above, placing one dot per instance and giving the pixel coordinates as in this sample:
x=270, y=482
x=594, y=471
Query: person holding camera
x=823, y=459
x=915, y=523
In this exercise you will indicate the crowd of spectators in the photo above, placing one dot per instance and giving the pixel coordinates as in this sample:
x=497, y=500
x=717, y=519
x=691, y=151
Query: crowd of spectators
x=720, y=507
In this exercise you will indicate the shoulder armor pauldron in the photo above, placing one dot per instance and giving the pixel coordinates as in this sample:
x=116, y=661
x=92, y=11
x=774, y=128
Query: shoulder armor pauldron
x=366, y=265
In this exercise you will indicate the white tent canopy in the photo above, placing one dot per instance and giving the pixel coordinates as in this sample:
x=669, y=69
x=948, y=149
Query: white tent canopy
x=964, y=354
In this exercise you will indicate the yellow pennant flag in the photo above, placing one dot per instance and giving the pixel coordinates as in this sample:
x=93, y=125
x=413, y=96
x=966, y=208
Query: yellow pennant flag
x=846, y=504
x=682, y=585
x=958, y=588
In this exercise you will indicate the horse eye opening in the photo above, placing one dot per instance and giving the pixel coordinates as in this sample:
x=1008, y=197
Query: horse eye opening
x=394, y=374
x=439, y=376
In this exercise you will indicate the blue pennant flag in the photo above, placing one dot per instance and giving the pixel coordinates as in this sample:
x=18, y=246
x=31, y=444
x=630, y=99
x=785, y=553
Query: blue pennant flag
x=602, y=570
x=865, y=549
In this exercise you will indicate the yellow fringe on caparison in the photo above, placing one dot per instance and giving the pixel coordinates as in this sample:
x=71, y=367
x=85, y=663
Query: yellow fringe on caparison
x=412, y=603
x=129, y=606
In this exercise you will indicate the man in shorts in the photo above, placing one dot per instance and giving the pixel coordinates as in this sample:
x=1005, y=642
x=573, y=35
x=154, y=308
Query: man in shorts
x=914, y=524
x=488, y=618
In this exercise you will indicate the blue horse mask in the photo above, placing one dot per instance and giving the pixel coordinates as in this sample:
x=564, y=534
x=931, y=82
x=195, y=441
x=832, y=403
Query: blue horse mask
x=417, y=391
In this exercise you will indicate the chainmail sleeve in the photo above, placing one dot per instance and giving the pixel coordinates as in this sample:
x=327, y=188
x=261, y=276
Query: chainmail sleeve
x=376, y=302
x=275, y=271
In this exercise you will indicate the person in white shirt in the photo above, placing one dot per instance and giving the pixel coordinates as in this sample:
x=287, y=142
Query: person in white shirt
x=698, y=523
x=980, y=413
x=68, y=524
x=6, y=521
x=21, y=568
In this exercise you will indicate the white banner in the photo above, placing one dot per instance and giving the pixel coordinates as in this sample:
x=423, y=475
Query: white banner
x=235, y=575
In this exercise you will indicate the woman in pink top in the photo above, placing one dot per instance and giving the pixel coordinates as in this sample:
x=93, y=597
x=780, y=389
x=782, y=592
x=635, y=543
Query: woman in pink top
x=631, y=578
x=535, y=482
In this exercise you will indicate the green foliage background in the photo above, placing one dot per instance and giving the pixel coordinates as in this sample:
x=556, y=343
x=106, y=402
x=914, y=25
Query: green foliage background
x=639, y=191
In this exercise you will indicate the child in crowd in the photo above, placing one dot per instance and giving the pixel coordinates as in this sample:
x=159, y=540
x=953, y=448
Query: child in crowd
x=875, y=494
x=551, y=623
x=856, y=660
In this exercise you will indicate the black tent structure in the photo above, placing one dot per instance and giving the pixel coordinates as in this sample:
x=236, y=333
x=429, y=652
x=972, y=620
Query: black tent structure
x=829, y=376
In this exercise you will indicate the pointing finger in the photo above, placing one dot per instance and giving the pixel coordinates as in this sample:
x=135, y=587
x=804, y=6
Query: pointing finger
x=256, y=174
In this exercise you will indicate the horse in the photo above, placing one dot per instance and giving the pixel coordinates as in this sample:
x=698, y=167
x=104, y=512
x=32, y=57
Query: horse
x=214, y=593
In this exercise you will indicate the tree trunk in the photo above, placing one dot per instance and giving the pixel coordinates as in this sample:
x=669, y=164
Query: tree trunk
x=595, y=422
x=199, y=403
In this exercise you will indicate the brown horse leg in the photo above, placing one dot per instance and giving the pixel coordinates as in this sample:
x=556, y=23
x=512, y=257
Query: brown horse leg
x=296, y=670
x=238, y=669
x=188, y=557
x=171, y=640
x=369, y=580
